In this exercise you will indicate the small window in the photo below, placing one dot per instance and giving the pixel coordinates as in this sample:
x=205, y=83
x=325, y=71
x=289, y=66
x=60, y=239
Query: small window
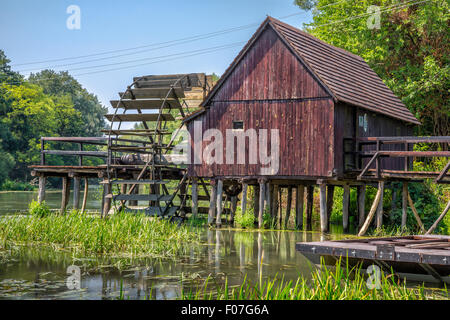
x=238, y=125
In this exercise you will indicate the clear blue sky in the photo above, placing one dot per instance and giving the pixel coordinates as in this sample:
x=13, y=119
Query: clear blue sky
x=33, y=30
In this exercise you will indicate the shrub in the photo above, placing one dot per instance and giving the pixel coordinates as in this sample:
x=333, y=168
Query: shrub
x=39, y=209
x=246, y=220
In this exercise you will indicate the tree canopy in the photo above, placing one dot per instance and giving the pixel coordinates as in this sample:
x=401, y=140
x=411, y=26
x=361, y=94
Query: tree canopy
x=409, y=51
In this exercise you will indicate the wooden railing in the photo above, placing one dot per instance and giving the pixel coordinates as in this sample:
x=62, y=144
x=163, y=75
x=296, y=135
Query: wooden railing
x=376, y=155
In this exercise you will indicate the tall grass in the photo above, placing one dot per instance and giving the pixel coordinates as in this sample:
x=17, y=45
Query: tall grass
x=121, y=234
x=340, y=284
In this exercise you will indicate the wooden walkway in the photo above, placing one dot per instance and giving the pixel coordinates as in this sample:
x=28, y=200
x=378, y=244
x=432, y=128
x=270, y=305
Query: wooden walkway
x=419, y=254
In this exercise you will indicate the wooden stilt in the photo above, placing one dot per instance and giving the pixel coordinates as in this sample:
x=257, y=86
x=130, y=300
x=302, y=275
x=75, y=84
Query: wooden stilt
x=107, y=207
x=416, y=214
x=323, y=208
x=256, y=202
x=212, y=203
x=361, y=204
x=275, y=203
x=309, y=206
x=404, y=204
x=268, y=198
x=194, y=193
x=435, y=224
x=65, y=194
x=345, y=206
x=380, y=207
x=288, y=207
x=299, y=198
x=134, y=203
x=233, y=208
x=330, y=198
x=76, y=193
x=41, y=194
x=262, y=196
x=373, y=209
x=85, y=195
x=244, y=198
x=280, y=201
x=219, y=203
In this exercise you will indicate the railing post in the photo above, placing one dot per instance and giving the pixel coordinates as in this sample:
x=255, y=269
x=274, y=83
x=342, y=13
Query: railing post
x=42, y=152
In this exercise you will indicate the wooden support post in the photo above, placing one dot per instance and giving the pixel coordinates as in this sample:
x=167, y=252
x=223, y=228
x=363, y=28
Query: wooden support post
x=330, y=196
x=373, y=209
x=361, y=204
x=380, y=207
x=262, y=196
x=212, y=203
x=219, y=203
x=309, y=206
x=275, y=203
x=256, y=202
x=268, y=198
x=85, y=195
x=233, y=208
x=107, y=206
x=299, y=198
x=435, y=224
x=76, y=193
x=416, y=214
x=41, y=194
x=404, y=204
x=288, y=207
x=65, y=194
x=134, y=203
x=345, y=206
x=323, y=208
x=194, y=193
x=244, y=198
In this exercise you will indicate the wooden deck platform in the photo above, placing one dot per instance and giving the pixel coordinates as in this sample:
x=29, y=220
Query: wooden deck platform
x=417, y=255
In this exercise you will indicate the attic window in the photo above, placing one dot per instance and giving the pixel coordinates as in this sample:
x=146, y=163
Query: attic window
x=238, y=125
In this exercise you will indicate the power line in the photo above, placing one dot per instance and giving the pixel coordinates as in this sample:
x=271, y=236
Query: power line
x=166, y=43
x=214, y=49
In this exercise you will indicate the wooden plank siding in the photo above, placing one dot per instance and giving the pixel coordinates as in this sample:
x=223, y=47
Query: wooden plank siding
x=271, y=89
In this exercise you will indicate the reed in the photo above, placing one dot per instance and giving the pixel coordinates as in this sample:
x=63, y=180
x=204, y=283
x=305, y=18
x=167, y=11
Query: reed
x=339, y=284
x=121, y=234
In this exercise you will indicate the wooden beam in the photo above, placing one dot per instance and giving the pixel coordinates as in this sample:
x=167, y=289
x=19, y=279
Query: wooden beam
x=219, y=203
x=212, y=203
x=76, y=193
x=299, y=198
x=85, y=195
x=41, y=194
x=65, y=194
x=233, y=208
x=256, y=191
x=361, y=204
x=323, y=208
x=275, y=203
x=107, y=205
x=309, y=206
x=345, y=207
x=435, y=224
x=289, y=206
x=404, y=204
x=416, y=214
x=380, y=208
x=244, y=198
x=330, y=196
x=194, y=193
x=373, y=209
x=262, y=196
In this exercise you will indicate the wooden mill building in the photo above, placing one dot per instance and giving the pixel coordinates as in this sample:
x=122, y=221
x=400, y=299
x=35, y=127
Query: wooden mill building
x=336, y=124
x=323, y=100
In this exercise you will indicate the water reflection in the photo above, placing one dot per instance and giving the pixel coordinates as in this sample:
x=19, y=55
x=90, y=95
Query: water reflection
x=41, y=273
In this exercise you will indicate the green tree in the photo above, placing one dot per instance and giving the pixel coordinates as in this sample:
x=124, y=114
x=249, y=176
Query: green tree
x=410, y=50
x=64, y=86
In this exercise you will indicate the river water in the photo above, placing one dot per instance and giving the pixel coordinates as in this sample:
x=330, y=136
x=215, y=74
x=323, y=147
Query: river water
x=46, y=273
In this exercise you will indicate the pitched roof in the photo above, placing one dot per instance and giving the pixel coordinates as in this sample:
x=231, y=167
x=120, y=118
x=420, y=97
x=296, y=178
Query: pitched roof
x=346, y=76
